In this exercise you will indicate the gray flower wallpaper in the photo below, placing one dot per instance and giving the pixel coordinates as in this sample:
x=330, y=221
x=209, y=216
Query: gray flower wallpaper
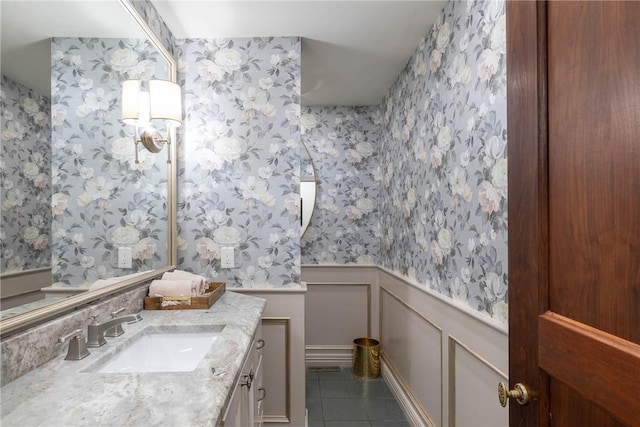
x=437, y=175
x=443, y=153
x=151, y=16
x=344, y=147
x=102, y=199
x=239, y=159
x=25, y=184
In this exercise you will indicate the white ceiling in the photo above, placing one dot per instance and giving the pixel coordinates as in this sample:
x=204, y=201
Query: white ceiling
x=352, y=51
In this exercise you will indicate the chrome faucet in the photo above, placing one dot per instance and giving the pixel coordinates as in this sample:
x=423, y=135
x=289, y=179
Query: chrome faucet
x=96, y=330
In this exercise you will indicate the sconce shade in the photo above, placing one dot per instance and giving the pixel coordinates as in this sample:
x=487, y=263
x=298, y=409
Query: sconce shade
x=165, y=101
x=131, y=101
x=162, y=102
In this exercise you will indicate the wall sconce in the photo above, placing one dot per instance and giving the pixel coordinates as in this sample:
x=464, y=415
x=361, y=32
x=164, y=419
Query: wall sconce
x=161, y=101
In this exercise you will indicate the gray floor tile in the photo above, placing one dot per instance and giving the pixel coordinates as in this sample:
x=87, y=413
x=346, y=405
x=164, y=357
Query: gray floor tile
x=384, y=410
x=334, y=389
x=344, y=410
x=316, y=423
x=314, y=406
x=342, y=375
x=311, y=376
x=390, y=424
x=373, y=389
x=313, y=389
x=347, y=424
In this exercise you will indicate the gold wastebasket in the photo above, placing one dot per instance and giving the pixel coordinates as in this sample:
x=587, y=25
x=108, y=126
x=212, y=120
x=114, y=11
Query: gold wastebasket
x=366, y=358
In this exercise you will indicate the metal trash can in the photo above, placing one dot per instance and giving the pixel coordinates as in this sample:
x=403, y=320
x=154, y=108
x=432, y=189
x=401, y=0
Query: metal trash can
x=366, y=358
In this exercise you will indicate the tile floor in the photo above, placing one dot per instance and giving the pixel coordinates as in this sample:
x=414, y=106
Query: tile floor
x=339, y=399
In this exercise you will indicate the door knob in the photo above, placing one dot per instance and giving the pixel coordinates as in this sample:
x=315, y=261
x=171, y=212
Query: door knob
x=519, y=393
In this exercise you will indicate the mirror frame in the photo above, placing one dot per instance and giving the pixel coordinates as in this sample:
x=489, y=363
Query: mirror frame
x=39, y=315
x=305, y=225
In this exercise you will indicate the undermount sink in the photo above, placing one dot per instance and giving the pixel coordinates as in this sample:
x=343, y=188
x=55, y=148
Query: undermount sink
x=162, y=351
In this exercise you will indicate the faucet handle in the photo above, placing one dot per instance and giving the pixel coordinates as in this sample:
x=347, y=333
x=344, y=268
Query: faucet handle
x=77, y=345
x=117, y=330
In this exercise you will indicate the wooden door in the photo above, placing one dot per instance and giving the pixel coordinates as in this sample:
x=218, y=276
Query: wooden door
x=573, y=102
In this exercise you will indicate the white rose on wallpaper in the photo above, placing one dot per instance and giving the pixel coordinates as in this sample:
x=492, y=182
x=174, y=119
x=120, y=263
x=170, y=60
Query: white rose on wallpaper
x=353, y=213
x=500, y=311
x=99, y=188
x=229, y=148
x=15, y=264
x=138, y=219
x=494, y=287
x=442, y=39
x=459, y=72
x=87, y=261
x=488, y=64
x=41, y=180
x=13, y=130
x=353, y=156
x=265, y=172
x=30, y=106
x=275, y=60
x=256, y=189
x=293, y=55
x=365, y=259
x=266, y=83
x=489, y=197
x=265, y=262
x=437, y=255
x=143, y=70
x=208, y=160
x=13, y=198
x=207, y=249
x=227, y=236
x=445, y=240
x=30, y=234
x=459, y=290
x=499, y=177
x=365, y=148
x=258, y=100
x=292, y=113
x=30, y=170
x=123, y=59
x=328, y=203
x=144, y=249
x=463, y=44
x=253, y=278
x=435, y=60
x=325, y=146
x=125, y=236
x=209, y=71
x=365, y=205
x=41, y=119
x=465, y=274
x=78, y=238
x=436, y=157
x=498, y=35
x=59, y=203
x=411, y=197
x=96, y=100
x=444, y=138
x=182, y=243
x=291, y=203
x=494, y=150
x=58, y=114
x=85, y=83
x=229, y=60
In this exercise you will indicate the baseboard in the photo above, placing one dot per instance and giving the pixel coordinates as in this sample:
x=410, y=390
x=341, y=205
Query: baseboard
x=414, y=413
x=329, y=355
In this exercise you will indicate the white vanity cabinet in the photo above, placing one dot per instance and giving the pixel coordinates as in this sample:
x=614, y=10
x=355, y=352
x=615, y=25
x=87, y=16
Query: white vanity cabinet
x=245, y=407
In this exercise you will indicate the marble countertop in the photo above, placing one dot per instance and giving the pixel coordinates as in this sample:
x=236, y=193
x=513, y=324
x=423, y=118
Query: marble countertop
x=67, y=393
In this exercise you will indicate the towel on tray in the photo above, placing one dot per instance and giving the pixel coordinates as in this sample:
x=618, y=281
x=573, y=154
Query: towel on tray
x=201, y=282
x=173, y=288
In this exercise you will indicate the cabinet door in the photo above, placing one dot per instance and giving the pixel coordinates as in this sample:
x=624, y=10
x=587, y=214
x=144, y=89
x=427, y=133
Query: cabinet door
x=233, y=416
x=259, y=394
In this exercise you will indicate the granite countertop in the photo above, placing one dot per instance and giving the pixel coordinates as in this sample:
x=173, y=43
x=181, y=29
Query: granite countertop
x=67, y=393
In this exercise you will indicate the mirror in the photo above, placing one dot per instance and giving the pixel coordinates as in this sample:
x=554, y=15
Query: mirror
x=307, y=188
x=73, y=198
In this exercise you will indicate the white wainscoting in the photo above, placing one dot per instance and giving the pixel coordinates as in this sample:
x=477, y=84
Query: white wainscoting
x=283, y=329
x=442, y=359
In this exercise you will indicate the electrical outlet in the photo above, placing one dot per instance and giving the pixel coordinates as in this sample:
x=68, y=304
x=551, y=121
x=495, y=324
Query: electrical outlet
x=124, y=257
x=226, y=257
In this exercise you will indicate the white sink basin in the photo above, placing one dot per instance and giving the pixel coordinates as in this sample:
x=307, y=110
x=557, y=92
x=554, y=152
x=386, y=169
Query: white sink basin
x=162, y=352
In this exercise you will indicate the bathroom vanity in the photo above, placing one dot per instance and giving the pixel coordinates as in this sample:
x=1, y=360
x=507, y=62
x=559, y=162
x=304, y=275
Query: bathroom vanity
x=224, y=388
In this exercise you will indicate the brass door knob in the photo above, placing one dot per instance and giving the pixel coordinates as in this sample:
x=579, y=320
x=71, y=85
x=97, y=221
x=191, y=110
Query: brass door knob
x=519, y=393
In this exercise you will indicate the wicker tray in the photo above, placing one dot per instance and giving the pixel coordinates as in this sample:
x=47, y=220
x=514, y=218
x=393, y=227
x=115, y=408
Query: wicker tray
x=213, y=294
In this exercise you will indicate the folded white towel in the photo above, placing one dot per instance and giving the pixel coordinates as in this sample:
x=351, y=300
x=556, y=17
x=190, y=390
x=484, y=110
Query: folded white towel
x=172, y=288
x=201, y=281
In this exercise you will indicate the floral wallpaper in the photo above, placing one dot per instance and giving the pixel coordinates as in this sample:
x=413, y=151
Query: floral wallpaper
x=25, y=185
x=443, y=152
x=151, y=16
x=343, y=143
x=102, y=199
x=239, y=168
